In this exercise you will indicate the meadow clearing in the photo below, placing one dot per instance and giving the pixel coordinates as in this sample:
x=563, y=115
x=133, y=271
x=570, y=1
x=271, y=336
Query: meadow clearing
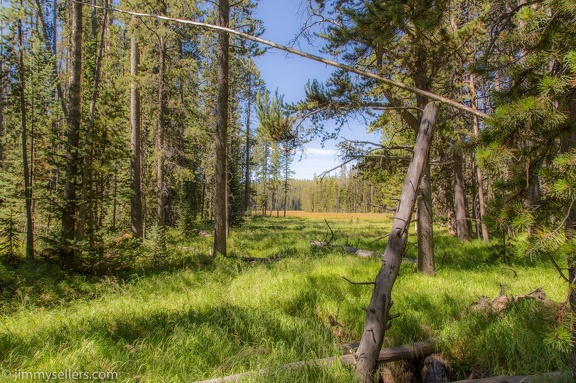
x=192, y=316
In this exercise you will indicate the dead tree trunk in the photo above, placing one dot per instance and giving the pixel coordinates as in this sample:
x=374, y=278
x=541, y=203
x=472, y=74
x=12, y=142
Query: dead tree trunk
x=378, y=313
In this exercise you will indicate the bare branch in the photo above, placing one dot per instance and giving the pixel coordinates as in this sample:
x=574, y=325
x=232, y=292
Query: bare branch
x=381, y=238
x=331, y=232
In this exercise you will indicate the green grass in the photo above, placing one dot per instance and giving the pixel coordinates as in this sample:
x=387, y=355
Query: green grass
x=197, y=316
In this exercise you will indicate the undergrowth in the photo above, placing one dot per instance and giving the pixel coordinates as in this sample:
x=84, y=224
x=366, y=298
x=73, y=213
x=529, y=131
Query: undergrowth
x=194, y=316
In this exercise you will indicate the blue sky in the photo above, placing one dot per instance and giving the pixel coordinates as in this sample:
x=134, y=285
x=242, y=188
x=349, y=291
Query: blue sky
x=289, y=74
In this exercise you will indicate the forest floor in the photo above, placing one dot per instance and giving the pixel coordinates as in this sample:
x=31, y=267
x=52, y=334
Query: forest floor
x=190, y=316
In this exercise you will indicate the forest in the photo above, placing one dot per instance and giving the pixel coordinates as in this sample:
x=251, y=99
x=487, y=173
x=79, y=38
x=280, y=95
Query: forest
x=151, y=227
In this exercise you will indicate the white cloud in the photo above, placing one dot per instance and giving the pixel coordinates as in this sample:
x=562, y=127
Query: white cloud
x=320, y=152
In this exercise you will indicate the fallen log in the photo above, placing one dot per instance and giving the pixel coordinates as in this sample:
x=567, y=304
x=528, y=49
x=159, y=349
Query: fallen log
x=201, y=233
x=348, y=249
x=256, y=259
x=511, y=379
x=502, y=301
x=392, y=354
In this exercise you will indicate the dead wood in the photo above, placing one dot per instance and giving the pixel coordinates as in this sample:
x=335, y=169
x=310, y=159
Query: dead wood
x=261, y=260
x=502, y=301
x=511, y=379
x=351, y=250
x=392, y=354
x=349, y=348
x=356, y=283
x=201, y=233
x=378, y=312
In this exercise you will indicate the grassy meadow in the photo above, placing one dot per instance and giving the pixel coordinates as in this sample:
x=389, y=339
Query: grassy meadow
x=191, y=316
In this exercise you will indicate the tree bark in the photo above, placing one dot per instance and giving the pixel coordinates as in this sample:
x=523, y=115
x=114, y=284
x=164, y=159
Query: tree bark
x=25, y=164
x=425, y=221
x=136, y=211
x=247, y=158
x=378, y=313
x=481, y=197
x=221, y=171
x=69, y=212
x=160, y=138
x=460, y=200
x=286, y=175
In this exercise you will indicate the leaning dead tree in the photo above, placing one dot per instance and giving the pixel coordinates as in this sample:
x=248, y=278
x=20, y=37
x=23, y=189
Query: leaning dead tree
x=378, y=315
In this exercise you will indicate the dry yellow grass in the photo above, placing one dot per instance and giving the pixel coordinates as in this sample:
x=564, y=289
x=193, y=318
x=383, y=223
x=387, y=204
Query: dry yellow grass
x=339, y=216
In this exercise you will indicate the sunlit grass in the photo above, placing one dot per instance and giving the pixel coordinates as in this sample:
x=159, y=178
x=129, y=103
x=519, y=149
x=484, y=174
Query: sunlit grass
x=210, y=316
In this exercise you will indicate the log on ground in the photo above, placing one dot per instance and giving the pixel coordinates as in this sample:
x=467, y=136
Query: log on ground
x=392, y=354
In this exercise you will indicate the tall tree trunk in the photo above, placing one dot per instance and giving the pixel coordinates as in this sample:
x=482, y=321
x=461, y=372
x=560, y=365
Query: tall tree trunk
x=378, y=313
x=425, y=232
x=286, y=176
x=221, y=171
x=86, y=208
x=247, y=159
x=136, y=211
x=460, y=199
x=160, y=140
x=480, y=178
x=73, y=138
x=25, y=164
x=425, y=211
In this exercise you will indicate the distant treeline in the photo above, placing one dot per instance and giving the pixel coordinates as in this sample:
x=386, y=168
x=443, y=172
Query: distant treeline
x=347, y=192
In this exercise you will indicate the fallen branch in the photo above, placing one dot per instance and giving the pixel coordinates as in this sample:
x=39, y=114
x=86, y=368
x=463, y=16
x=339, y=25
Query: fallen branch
x=331, y=232
x=352, y=250
x=511, y=379
x=356, y=283
x=392, y=354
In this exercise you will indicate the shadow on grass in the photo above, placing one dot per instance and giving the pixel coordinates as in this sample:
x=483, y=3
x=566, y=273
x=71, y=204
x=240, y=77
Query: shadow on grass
x=220, y=340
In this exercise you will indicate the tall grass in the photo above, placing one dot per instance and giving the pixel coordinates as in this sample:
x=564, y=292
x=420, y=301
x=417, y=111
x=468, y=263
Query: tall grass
x=210, y=316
